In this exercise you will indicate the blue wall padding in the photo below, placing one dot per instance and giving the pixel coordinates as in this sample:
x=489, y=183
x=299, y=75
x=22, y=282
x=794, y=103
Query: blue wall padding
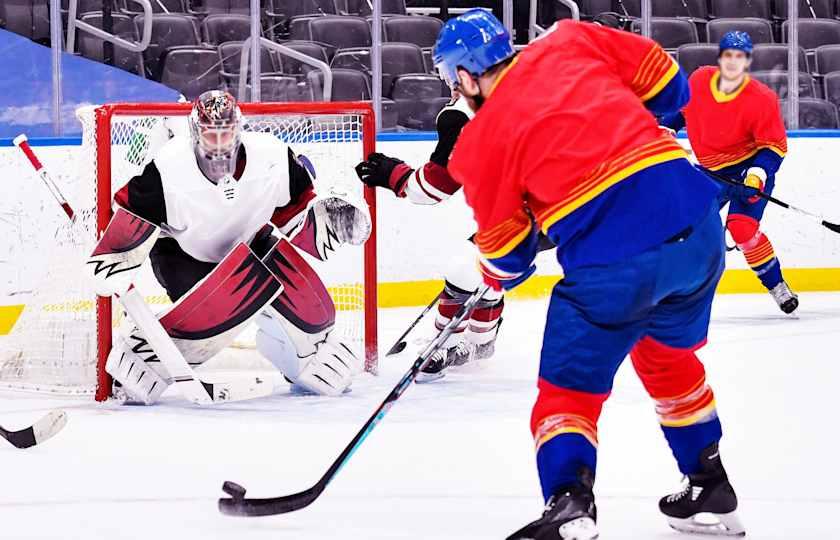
x=26, y=88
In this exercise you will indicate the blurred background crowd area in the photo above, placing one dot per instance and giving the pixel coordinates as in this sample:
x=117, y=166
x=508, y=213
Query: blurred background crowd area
x=196, y=45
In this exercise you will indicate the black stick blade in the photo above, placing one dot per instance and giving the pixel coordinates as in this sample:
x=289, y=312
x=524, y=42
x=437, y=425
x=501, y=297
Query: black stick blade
x=397, y=348
x=831, y=226
x=40, y=431
x=239, y=506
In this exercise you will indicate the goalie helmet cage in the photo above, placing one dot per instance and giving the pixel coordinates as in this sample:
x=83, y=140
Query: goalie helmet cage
x=118, y=140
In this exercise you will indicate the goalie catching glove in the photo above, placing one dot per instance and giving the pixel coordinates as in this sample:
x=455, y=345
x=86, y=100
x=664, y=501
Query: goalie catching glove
x=331, y=221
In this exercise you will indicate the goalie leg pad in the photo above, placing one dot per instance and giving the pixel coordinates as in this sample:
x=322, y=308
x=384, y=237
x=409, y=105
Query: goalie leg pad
x=294, y=333
x=133, y=363
x=328, y=371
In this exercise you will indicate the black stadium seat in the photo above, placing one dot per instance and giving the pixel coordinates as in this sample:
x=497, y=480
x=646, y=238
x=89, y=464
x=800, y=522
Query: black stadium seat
x=808, y=9
x=815, y=32
x=831, y=87
x=158, y=6
x=392, y=7
x=760, y=30
x=815, y=114
x=778, y=82
x=774, y=57
x=397, y=59
x=191, y=70
x=422, y=31
x=348, y=85
x=92, y=47
x=827, y=59
x=230, y=56
x=341, y=32
x=692, y=56
x=223, y=27
x=741, y=8
x=168, y=30
x=693, y=9
x=207, y=7
x=292, y=66
x=669, y=33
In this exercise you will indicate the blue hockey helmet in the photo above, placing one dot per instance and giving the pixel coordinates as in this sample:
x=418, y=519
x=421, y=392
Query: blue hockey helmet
x=738, y=40
x=474, y=41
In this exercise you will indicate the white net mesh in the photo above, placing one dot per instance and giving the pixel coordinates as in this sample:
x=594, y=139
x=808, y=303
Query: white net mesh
x=53, y=347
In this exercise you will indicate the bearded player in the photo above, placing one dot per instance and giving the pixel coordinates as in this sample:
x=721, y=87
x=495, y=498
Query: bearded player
x=565, y=142
x=213, y=189
x=431, y=184
x=736, y=130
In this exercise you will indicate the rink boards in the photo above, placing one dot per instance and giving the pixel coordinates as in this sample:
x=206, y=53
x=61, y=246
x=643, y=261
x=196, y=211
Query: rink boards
x=416, y=243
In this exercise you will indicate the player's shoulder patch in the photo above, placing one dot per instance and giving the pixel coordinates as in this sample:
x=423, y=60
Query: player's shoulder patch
x=458, y=105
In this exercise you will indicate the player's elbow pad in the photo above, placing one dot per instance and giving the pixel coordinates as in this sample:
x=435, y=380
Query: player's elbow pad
x=672, y=98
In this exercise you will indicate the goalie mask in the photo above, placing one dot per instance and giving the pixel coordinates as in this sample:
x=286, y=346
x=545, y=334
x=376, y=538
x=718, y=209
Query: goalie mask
x=215, y=124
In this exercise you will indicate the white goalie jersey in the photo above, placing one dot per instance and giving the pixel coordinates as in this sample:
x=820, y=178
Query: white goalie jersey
x=208, y=220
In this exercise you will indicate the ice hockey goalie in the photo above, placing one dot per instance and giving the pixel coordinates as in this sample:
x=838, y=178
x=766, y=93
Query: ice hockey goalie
x=212, y=191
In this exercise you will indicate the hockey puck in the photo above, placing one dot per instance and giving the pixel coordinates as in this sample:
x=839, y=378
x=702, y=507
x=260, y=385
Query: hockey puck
x=397, y=349
x=234, y=490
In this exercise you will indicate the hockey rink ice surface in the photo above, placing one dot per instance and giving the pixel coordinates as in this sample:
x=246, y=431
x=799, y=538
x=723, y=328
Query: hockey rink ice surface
x=453, y=459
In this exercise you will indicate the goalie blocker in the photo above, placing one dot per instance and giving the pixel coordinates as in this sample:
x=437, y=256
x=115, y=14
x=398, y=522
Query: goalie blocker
x=294, y=332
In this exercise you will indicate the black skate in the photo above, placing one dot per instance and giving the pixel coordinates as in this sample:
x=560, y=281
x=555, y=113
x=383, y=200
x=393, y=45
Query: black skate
x=785, y=298
x=707, y=504
x=443, y=358
x=569, y=515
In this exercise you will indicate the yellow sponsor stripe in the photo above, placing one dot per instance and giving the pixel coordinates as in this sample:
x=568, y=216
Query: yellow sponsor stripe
x=419, y=293
x=8, y=317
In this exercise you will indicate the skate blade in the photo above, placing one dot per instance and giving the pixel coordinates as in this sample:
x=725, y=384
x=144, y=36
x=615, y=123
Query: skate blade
x=710, y=524
x=583, y=528
x=425, y=378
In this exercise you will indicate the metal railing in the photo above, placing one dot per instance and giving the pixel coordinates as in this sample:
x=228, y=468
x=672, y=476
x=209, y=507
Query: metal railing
x=244, y=64
x=73, y=23
x=535, y=29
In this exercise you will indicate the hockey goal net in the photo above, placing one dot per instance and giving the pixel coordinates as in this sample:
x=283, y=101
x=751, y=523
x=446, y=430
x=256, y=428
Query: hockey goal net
x=62, y=339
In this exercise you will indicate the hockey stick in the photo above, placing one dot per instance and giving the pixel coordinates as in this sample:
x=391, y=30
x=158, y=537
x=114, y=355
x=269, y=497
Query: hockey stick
x=400, y=345
x=23, y=143
x=238, y=505
x=833, y=227
x=192, y=387
x=40, y=431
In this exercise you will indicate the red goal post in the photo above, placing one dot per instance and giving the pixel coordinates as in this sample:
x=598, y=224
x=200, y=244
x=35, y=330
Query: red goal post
x=356, y=124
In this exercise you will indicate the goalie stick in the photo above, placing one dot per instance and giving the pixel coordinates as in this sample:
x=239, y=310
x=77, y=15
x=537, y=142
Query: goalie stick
x=833, y=227
x=238, y=505
x=400, y=345
x=192, y=387
x=40, y=431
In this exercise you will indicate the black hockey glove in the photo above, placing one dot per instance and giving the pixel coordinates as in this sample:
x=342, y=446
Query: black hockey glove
x=379, y=170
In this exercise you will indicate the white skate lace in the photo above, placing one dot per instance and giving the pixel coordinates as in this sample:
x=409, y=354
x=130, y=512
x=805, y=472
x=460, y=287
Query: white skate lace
x=782, y=293
x=674, y=497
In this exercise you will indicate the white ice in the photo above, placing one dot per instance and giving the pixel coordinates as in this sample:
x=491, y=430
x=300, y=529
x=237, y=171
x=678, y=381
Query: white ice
x=453, y=459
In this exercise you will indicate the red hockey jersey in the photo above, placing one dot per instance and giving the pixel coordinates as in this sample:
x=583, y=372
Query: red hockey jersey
x=567, y=136
x=727, y=129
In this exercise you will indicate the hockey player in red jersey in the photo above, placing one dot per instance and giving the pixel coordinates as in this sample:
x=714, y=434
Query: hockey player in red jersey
x=431, y=184
x=736, y=130
x=214, y=190
x=565, y=141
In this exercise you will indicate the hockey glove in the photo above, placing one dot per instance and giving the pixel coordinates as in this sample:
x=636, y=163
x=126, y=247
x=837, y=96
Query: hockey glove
x=753, y=183
x=380, y=170
x=498, y=279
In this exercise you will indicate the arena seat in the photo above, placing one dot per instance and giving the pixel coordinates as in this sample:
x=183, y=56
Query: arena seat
x=191, y=70
x=230, y=55
x=223, y=27
x=92, y=47
x=693, y=55
x=822, y=9
x=760, y=9
x=815, y=114
x=827, y=59
x=419, y=30
x=340, y=31
x=814, y=32
x=778, y=82
x=760, y=30
x=168, y=30
x=774, y=57
x=668, y=32
x=291, y=66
